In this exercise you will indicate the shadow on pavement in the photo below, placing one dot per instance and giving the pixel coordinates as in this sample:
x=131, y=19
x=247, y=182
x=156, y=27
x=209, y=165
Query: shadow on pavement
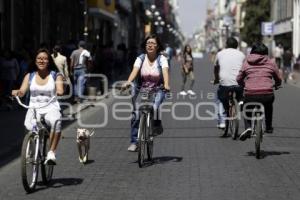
x=59, y=182
x=264, y=154
x=161, y=160
x=165, y=159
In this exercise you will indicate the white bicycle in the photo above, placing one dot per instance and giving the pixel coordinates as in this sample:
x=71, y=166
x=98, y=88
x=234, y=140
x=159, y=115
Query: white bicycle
x=36, y=144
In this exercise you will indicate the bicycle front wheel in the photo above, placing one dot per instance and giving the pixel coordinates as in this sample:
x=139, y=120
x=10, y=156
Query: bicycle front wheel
x=29, y=162
x=258, y=138
x=149, y=138
x=46, y=170
x=142, y=140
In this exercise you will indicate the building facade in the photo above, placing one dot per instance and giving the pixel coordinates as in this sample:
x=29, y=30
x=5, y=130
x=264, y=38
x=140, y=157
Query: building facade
x=281, y=15
x=296, y=28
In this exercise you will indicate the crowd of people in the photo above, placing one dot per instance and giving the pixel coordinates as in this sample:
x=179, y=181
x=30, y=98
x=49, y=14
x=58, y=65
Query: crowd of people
x=68, y=60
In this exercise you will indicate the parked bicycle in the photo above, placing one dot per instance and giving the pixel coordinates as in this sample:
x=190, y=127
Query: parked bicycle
x=36, y=144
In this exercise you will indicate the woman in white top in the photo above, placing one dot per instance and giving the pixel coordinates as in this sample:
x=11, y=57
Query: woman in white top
x=153, y=69
x=60, y=61
x=43, y=83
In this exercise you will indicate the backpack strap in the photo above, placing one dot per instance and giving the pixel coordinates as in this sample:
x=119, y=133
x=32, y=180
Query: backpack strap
x=138, y=81
x=31, y=75
x=160, y=69
x=53, y=74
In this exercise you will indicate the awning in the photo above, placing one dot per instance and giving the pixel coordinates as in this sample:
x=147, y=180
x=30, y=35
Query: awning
x=98, y=12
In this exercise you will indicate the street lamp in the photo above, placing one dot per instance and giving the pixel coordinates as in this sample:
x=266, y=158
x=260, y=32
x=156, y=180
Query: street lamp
x=155, y=18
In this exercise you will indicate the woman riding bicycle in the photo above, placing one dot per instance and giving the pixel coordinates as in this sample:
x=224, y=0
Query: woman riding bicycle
x=44, y=83
x=152, y=71
x=256, y=75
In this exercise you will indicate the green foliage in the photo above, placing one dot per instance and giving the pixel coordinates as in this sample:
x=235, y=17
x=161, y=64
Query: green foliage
x=257, y=11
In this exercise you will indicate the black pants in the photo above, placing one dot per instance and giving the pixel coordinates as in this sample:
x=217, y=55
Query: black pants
x=267, y=101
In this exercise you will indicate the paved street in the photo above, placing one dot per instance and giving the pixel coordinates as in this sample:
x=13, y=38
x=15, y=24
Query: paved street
x=191, y=161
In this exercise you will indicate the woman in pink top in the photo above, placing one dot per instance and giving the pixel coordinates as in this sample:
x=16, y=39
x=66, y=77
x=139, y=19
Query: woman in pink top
x=151, y=71
x=256, y=76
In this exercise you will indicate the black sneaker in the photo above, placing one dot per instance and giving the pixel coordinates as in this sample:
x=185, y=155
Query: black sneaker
x=269, y=130
x=157, y=128
x=246, y=134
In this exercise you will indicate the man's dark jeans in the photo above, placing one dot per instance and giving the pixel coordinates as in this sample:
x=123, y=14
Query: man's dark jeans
x=223, y=95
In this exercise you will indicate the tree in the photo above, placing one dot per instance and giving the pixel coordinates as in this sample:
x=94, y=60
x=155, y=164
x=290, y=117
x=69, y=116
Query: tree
x=257, y=11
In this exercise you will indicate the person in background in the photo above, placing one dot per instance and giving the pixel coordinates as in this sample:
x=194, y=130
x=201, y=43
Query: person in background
x=80, y=60
x=278, y=52
x=9, y=72
x=187, y=71
x=60, y=62
x=287, y=63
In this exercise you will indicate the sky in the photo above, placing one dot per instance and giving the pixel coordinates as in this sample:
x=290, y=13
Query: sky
x=192, y=13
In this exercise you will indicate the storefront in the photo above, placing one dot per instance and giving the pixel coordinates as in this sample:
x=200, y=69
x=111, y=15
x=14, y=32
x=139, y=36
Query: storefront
x=102, y=21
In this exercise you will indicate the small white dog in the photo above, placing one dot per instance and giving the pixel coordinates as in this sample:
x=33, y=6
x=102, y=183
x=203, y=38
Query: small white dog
x=83, y=142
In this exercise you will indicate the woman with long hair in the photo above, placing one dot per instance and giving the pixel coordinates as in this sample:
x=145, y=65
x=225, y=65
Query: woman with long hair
x=187, y=71
x=43, y=83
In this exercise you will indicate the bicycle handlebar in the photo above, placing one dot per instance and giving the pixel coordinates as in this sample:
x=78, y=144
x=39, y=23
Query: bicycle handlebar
x=33, y=107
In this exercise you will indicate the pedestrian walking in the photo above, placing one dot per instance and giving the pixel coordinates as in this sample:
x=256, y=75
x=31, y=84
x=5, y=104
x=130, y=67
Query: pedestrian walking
x=278, y=53
x=80, y=60
x=61, y=63
x=287, y=63
x=187, y=71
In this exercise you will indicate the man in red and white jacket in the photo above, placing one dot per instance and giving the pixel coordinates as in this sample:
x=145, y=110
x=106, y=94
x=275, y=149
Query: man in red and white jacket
x=256, y=76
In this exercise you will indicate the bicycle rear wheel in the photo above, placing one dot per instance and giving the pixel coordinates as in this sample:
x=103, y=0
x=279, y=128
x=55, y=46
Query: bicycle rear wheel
x=149, y=138
x=233, y=121
x=29, y=162
x=259, y=134
x=142, y=140
x=46, y=170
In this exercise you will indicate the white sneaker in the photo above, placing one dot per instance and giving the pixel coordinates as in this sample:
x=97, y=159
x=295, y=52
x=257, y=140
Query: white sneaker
x=246, y=134
x=183, y=93
x=221, y=126
x=132, y=148
x=50, y=159
x=191, y=92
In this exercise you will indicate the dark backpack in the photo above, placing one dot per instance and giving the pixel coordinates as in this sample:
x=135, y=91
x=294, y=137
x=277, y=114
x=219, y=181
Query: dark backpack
x=139, y=78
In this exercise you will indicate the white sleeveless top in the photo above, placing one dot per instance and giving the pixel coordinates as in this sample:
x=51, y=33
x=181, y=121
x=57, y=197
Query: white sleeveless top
x=41, y=94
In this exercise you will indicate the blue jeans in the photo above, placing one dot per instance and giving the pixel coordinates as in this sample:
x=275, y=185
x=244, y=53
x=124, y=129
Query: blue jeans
x=221, y=111
x=135, y=120
x=79, y=82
